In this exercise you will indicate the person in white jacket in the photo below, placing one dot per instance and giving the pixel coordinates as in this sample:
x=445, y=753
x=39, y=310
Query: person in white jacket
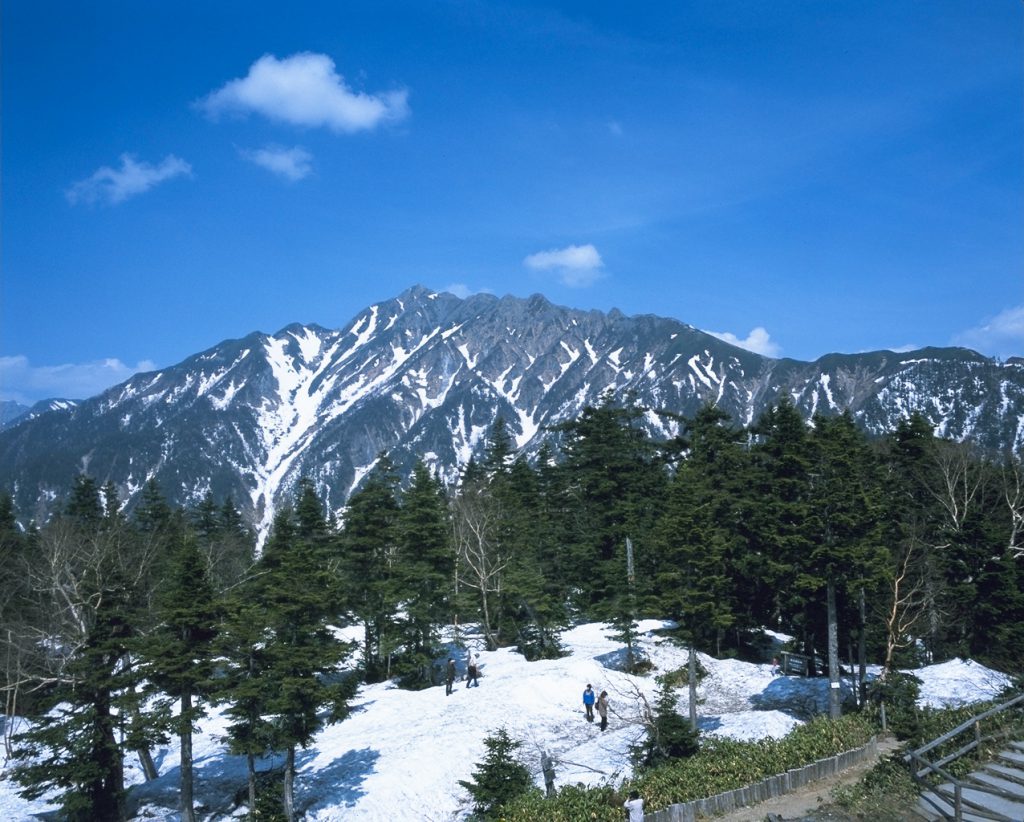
x=634, y=807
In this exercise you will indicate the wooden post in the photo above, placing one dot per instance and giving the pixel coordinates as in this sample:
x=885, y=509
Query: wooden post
x=862, y=649
x=692, y=665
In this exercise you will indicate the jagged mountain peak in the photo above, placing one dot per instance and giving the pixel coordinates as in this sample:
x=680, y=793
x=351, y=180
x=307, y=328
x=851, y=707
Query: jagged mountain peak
x=424, y=375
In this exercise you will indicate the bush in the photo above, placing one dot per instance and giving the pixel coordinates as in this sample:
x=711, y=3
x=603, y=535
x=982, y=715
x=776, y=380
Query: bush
x=899, y=692
x=720, y=765
x=499, y=778
x=886, y=793
x=669, y=735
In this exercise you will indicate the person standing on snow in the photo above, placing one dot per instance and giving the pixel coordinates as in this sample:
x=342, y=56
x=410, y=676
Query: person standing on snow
x=602, y=709
x=449, y=677
x=634, y=807
x=589, y=697
x=471, y=672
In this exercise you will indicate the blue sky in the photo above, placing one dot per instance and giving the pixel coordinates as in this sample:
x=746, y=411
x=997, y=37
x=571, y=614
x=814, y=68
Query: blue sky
x=807, y=177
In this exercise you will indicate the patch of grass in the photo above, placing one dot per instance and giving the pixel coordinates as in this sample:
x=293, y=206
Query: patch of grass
x=886, y=793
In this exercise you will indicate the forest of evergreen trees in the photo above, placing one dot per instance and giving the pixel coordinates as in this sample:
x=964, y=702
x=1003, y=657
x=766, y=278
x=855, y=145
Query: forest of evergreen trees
x=121, y=627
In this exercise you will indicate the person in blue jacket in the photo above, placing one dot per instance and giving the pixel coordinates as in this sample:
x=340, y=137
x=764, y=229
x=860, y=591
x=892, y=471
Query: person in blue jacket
x=589, y=698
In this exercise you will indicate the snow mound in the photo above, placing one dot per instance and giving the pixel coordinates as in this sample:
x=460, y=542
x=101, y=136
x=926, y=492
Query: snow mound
x=959, y=682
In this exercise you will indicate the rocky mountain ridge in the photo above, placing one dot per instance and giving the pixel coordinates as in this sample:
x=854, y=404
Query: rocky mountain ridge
x=424, y=375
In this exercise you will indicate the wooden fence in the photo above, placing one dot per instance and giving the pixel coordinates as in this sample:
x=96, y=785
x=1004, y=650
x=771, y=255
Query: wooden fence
x=765, y=789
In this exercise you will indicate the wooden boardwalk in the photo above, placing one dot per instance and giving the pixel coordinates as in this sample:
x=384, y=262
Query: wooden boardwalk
x=994, y=792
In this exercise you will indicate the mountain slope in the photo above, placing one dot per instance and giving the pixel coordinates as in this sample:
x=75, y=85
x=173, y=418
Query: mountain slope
x=424, y=375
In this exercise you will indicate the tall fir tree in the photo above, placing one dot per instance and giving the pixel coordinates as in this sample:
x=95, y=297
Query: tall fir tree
x=283, y=683
x=614, y=485
x=424, y=575
x=178, y=656
x=367, y=566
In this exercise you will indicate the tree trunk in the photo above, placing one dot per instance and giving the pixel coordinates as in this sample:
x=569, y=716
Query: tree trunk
x=288, y=799
x=693, y=686
x=834, y=693
x=492, y=644
x=250, y=763
x=148, y=765
x=862, y=651
x=188, y=812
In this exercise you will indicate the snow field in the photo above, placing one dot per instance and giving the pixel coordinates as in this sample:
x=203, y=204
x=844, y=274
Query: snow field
x=401, y=754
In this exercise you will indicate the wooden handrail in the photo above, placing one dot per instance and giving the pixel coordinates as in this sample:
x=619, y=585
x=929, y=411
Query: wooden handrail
x=959, y=729
x=916, y=757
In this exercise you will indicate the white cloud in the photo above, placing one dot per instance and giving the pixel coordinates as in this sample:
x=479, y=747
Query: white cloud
x=758, y=340
x=576, y=265
x=114, y=185
x=460, y=290
x=1001, y=336
x=305, y=90
x=25, y=383
x=291, y=163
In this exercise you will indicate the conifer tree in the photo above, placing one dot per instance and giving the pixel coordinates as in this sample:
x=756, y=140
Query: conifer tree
x=533, y=600
x=178, y=656
x=668, y=737
x=278, y=693
x=780, y=535
x=846, y=554
x=614, y=485
x=425, y=568
x=245, y=687
x=368, y=565
x=500, y=778
x=697, y=540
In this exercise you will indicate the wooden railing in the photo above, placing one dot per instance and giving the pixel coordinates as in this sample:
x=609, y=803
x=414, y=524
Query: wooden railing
x=921, y=768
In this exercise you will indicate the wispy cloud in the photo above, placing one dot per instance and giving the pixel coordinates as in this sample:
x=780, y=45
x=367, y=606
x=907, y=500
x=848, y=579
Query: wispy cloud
x=305, y=90
x=115, y=185
x=1001, y=336
x=291, y=163
x=26, y=383
x=460, y=290
x=577, y=266
x=758, y=340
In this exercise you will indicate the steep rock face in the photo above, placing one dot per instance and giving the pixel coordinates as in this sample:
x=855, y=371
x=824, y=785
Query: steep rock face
x=424, y=375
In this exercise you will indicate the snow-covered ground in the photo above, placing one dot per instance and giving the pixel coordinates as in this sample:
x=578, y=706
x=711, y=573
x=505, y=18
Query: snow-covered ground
x=401, y=754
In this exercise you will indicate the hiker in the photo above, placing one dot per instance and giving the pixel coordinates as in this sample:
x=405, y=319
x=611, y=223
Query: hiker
x=634, y=807
x=776, y=670
x=471, y=672
x=449, y=677
x=588, y=702
x=602, y=709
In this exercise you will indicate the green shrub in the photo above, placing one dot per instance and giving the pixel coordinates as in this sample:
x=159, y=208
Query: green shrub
x=899, y=692
x=720, y=765
x=499, y=778
x=668, y=737
x=886, y=793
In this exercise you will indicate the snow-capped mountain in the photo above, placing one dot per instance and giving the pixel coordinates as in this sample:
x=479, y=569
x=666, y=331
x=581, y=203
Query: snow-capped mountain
x=424, y=375
x=12, y=413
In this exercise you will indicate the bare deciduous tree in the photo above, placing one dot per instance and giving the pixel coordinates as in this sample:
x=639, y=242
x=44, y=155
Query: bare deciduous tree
x=1013, y=493
x=479, y=558
x=907, y=604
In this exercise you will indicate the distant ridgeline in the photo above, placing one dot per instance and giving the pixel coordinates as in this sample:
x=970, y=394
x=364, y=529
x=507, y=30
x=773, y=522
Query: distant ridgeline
x=425, y=375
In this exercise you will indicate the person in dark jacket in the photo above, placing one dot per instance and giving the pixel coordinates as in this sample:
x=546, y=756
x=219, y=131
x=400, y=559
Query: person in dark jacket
x=602, y=709
x=449, y=677
x=589, y=697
